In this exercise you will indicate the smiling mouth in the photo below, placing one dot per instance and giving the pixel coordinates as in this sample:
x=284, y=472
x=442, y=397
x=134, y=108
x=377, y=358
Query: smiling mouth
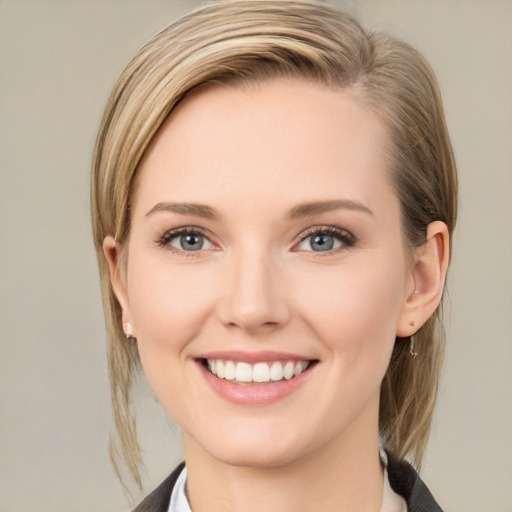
x=259, y=373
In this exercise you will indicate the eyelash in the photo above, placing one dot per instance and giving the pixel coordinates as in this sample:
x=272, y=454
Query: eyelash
x=165, y=239
x=346, y=238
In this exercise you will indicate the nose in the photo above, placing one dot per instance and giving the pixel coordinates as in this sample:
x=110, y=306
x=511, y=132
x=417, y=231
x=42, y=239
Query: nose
x=254, y=298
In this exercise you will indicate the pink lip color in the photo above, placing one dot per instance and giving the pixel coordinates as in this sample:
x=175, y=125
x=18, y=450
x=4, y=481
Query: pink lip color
x=254, y=394
x=253, y=357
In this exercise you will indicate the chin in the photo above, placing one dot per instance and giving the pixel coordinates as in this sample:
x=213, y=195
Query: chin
x=256, y=450
x=258, y=458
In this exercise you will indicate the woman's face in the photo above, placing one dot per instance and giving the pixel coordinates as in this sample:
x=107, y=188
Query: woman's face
x=265, y=243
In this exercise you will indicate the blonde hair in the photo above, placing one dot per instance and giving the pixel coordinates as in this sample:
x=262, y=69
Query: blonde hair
x=254, y=40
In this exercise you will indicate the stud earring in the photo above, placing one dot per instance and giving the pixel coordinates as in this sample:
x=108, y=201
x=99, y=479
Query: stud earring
x=128, y=331
x=414, y=323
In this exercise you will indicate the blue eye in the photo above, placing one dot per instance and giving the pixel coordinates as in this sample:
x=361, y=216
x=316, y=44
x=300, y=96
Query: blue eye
x=186, y=241
x=322, y=242
x=326, y=239
x=189, y=242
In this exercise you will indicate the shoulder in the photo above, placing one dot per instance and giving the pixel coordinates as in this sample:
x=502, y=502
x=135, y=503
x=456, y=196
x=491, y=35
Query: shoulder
x=405, y=481
x=158, y=500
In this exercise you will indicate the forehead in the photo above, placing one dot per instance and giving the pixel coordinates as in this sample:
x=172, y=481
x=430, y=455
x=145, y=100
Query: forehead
x=280, y=137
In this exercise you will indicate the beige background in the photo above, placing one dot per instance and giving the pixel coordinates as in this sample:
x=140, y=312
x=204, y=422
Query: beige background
x=58, y=60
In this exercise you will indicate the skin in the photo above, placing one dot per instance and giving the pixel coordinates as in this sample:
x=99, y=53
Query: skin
x=253, y=155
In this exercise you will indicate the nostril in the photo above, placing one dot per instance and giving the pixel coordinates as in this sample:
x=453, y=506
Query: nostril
x=253, y=300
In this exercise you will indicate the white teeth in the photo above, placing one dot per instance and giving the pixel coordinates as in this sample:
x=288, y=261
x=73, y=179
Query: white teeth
x=276, y=371
x=220, y=369
x=300, y=367
x=229, y=370
x=288, y=370
x=259, y=372
x=243, y=372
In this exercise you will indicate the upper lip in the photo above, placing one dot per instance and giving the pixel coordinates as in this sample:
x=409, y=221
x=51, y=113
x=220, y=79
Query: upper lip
x=254, y=357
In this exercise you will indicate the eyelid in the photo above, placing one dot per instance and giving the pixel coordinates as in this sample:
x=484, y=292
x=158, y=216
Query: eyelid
x=164, y=239
x=346, y=238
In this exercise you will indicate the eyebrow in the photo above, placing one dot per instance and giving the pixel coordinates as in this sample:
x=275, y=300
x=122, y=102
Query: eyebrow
x=299, y=211
x=318, y=207
x=195, y=209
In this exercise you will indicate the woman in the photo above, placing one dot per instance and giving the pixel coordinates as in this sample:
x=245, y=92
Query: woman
x=273, y=198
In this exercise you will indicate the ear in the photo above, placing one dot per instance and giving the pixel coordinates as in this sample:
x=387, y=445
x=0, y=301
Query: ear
x=118, y=280
x=428, y=274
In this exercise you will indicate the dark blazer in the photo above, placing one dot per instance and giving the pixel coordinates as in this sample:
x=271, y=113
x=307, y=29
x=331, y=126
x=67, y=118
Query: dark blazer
x=402, y=477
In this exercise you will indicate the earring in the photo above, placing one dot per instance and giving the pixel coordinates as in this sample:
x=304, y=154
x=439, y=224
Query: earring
x=128, y=331
x=413, y=352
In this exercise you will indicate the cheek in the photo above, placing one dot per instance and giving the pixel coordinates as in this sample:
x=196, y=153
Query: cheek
x=169, y=308
x=168, y=305
x=354, y=307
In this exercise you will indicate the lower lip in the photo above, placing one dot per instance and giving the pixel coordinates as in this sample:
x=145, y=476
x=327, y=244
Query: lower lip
x=254, y=394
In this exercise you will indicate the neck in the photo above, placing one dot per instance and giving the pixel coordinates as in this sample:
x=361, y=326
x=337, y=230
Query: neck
x=344, y=474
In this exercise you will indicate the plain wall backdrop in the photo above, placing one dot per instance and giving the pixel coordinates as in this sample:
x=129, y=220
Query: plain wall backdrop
x=58, y=61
